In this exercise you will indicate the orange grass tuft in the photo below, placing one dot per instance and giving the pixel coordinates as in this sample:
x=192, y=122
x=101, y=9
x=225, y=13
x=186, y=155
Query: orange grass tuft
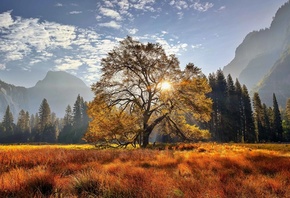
x=193, y=170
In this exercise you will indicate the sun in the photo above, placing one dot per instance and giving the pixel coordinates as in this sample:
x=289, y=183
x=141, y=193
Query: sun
x=165, y=85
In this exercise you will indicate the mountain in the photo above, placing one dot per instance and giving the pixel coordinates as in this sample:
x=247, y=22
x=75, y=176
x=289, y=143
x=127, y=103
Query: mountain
x=15, y=97
x=58, y=87
x=260, y=54
x=277, y=81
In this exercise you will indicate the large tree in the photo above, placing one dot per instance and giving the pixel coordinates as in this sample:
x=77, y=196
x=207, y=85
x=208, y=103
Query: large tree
x=141, y=81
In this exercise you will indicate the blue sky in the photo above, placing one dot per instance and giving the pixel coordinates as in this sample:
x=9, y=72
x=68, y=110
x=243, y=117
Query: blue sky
x=41, y=35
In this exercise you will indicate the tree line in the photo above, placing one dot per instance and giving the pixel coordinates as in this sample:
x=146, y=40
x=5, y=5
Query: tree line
x=237, y=118
x=131, y=104
x=44, y=126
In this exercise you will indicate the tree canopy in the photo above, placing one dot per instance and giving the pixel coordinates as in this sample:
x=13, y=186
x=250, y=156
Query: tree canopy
x=131, y=86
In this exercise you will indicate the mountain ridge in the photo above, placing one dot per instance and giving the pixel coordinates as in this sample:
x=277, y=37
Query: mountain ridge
x=259, y=55
x=58, y=87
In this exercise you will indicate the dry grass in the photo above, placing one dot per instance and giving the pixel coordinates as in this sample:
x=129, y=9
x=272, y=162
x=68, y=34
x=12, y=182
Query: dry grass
x=192, y=170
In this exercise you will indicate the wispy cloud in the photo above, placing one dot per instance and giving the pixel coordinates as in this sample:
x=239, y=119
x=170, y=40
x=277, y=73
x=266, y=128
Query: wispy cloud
x=69, y=48
x=180, y=15
x=58, y=5
x=202, y=7
x=110, y=13
x=75, y=12
x=170, y=46
x=197, y=46
x=222, y=8
x=2, y=67
x=111, y=24
x=32, y=43
x=132, y=31
x=179, y=4
x=67, y=63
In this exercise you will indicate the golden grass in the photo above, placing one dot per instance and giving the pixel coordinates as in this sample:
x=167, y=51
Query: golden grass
x=191, y=170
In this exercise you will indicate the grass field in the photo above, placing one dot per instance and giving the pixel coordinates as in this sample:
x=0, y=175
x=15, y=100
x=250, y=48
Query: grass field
x=189, y=170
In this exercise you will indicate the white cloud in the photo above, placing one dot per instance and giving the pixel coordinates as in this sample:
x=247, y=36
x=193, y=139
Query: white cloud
x=202, y=7
x=180, y=15
x=58, y=5
x=2, y=67
x=6, y=19
x=75, y=12
x=132, y=31
x=144, y=5
x=108, y=4
x=110, y=13
x=98, y=17
x=111, y=24
x=33, y=43
x=181, y=4
x=124, y=5
x=222, y=8
x=68, y=64
x=169, y=46
x=197, y=46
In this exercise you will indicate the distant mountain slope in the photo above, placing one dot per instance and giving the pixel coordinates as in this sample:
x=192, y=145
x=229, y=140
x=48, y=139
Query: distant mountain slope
x=277, y=81
x=59, y=88
x=260, y=52
x=15, y=97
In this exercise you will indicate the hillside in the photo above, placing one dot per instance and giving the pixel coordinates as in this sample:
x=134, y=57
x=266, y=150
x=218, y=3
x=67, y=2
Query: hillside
x=14, y=96
x=277, y=80
x=260, y=53
x=59, y=88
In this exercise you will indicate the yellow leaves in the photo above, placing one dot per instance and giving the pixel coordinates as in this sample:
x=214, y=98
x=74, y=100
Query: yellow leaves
x=110, y=123
x=193, y=132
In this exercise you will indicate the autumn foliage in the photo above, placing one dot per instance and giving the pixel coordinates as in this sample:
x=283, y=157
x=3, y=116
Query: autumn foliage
x=187, y=170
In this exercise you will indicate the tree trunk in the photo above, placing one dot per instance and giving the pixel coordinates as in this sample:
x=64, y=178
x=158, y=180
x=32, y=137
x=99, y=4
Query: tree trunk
x=145, y=139
x=148, y=130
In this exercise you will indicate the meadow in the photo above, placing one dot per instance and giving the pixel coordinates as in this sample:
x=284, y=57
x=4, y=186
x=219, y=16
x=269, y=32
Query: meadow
x=187, y=170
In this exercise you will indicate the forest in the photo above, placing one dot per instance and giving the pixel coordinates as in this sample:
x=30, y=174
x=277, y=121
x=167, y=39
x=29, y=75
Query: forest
x=235, y=118
x=44, y=126
x=143, y=93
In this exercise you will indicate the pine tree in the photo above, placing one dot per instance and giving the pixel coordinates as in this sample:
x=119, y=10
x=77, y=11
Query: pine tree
x=27, y=123
x=85, y=117
x=66, y=134
x=232, y=114
x=77, y=112
x=277, y=121
x=240, y=118
x=248, y=120
x=7, y=122
x=68, y=117
x=220, y=100
x=258, y=112
x=214, y=115
x=22, y=133
x=22, y=122
x=288, y=108
x=44, y=114
x=267, y=134
x=287, y=121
